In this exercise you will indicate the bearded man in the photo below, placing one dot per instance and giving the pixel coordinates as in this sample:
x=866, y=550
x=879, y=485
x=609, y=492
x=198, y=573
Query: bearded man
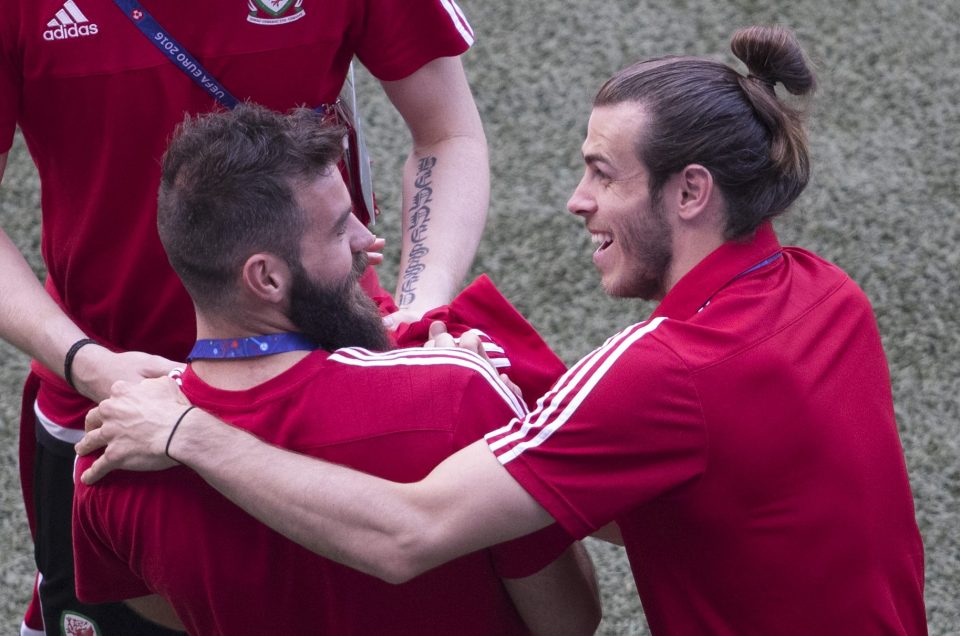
x=257, y=222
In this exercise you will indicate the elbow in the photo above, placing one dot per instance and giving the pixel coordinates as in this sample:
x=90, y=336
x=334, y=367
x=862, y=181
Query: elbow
x=397, y=575
x=397, y=570
x=409, y=555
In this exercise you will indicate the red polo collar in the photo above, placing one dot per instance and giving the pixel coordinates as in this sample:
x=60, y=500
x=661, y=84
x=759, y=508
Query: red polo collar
x=716, y=271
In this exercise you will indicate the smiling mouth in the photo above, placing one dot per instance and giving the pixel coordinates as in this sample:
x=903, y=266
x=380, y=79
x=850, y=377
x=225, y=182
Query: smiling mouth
x=601, y=240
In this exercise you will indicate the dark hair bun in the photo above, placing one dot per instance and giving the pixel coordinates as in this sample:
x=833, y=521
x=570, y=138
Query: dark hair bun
x=772, y=54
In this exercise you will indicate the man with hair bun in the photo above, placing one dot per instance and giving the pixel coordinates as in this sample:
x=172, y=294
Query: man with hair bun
x=742, y=439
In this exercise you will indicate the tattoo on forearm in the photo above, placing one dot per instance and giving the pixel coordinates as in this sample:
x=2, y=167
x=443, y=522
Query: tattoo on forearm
x=419, y=220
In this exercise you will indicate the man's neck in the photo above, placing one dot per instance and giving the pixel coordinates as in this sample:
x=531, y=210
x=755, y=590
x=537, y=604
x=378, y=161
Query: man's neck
x=239, y=374
x=692, y=242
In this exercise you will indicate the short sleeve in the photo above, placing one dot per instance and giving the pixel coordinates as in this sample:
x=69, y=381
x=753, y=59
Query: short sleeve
x=485, y=404
x=9, y=82
x=101, y=575
x=484, y=407
x=621, y=427
x=400, y=36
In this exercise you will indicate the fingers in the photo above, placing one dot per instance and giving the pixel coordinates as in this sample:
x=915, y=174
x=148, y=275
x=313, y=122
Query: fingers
x=160, y=366
x=442, y=340
x=438, y=336
x=471, y=340
x=375, y=251
x=96, y=472
x=400, y=317
x=93, y=420
x=511, y=385
x=437, y=328
x=93, y=440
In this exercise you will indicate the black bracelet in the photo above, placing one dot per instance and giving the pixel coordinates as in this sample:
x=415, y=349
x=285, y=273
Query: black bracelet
x=166, y=451
x=68, y=360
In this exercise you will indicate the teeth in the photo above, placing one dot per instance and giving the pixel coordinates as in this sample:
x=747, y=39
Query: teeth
x=601, y=239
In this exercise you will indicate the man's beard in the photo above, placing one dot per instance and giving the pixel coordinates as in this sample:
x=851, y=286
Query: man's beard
x=648, y=241
x=338, y=316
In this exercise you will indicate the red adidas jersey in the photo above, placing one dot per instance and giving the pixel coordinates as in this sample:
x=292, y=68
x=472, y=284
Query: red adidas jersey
x=396, y=415
x=744, y=440
x=97, y=102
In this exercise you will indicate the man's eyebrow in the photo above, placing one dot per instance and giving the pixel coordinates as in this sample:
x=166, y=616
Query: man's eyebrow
x=591, y=158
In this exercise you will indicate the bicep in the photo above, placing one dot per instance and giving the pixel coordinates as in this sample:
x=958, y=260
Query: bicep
x=436, y=103
x=473, y=502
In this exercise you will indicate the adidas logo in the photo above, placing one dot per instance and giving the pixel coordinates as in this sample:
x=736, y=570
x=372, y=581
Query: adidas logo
x=69, y=22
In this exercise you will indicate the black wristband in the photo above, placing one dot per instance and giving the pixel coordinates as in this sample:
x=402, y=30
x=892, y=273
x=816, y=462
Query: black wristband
x=166, y=450
x=68, y=360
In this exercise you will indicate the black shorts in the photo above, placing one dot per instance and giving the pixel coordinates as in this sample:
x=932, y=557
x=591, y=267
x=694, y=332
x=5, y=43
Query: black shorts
x=53, y=550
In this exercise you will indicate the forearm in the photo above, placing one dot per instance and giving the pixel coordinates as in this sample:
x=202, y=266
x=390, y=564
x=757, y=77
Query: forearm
x=29, y=319
x=366, y=523
x=389, y=530
x=446, y=193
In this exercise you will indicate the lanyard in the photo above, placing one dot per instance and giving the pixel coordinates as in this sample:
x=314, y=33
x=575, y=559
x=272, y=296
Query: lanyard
x=180, y=56
x=250, y=347
x=768, y=260
x=356, y=160
x=754, y=268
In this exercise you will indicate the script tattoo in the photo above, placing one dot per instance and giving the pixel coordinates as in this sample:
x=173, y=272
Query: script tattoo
x=419, y=220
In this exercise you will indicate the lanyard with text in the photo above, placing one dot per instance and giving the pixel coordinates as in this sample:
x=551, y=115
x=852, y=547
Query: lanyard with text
x=356, y=161
x=180, y=56
x=250, y=347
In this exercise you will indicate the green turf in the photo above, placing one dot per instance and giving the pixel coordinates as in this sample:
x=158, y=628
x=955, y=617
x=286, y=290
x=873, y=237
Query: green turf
x=883, y=204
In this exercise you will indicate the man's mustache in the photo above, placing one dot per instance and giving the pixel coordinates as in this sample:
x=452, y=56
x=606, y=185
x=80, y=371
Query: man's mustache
x=360, y=262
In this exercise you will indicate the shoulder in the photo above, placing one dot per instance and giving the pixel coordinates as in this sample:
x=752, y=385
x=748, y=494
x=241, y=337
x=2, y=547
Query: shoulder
x=457, y=374
x=645, y=354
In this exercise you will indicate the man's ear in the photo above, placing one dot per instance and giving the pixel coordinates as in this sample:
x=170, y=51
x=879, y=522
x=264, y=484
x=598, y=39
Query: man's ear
x=695, y=192
x=266, y=277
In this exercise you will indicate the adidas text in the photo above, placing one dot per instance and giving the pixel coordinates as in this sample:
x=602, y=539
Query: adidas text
x=69, y=22
x=72, y=31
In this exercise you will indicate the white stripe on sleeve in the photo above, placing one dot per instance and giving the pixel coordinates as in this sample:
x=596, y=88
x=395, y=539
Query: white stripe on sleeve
x=545, y=419
x=459, y=20
x=356, y=356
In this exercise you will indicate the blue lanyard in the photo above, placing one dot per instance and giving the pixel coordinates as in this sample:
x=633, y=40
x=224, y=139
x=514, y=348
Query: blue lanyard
x=180, y=56
x=752, y=268
x=250, y=347
x=355, y=160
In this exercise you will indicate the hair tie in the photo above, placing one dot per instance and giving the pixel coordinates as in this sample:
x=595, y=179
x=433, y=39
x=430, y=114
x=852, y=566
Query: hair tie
x=769, y=83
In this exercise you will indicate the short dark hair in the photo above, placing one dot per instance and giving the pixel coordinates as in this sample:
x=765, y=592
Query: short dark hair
x=734, y=125
x=227, y=190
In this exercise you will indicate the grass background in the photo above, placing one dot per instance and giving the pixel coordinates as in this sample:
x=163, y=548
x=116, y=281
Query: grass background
x=883, y=204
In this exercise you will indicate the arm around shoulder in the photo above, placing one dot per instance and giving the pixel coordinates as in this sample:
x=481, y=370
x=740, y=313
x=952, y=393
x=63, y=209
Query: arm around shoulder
x=389, y=530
